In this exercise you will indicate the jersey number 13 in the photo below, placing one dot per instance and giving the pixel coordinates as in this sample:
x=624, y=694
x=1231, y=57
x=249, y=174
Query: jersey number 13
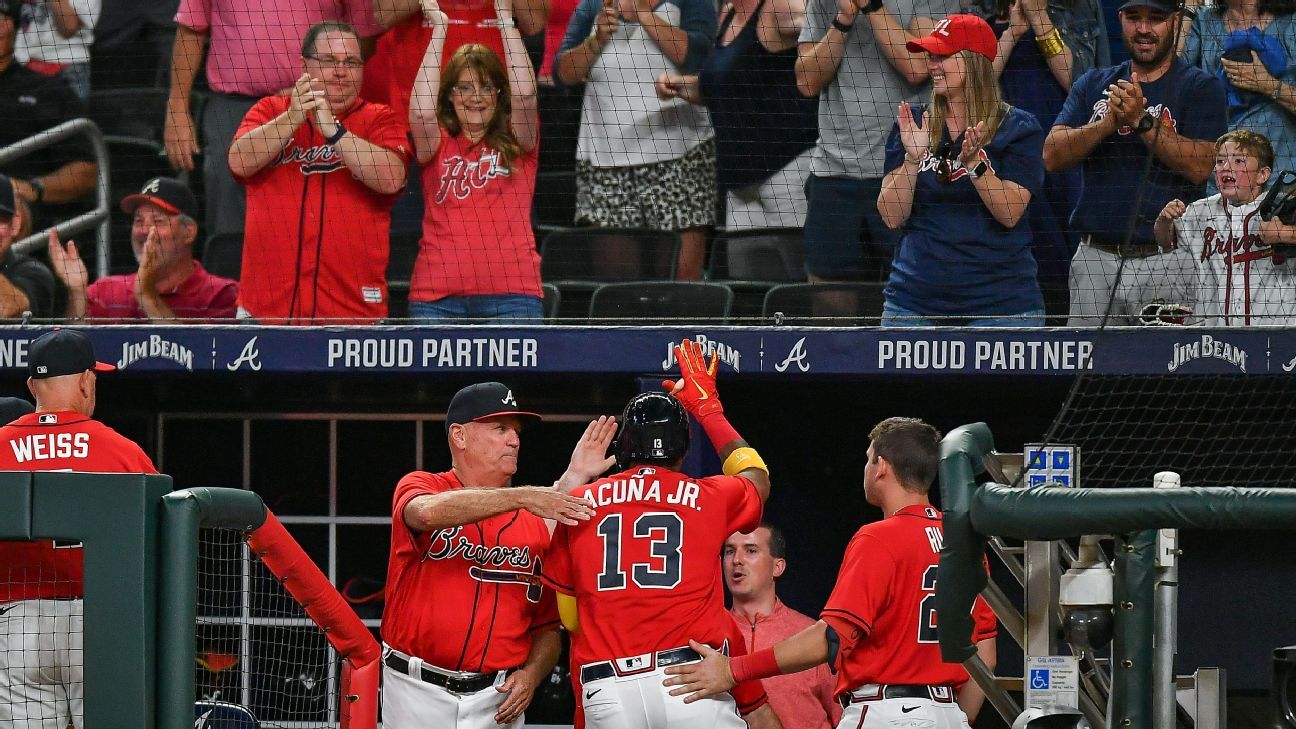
x=666, y=534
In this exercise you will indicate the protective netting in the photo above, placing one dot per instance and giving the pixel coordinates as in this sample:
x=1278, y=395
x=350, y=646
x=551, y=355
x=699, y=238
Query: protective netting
x=257, y=648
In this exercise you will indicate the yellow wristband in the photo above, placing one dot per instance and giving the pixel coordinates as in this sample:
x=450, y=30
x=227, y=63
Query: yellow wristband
x=567, y=612
x=742, y=459
x=1050, y=44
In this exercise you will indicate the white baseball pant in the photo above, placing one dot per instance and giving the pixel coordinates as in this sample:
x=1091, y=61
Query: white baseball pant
x=409, y=702
x=41, y=664
x=872, y=707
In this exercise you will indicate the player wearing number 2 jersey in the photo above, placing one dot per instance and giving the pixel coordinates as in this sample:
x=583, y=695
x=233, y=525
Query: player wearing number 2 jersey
x=643, y=571
x=878, y=629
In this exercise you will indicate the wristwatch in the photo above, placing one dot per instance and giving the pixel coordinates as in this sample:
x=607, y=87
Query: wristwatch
x=978, y=169
x=1145, y=123
x=38, y=189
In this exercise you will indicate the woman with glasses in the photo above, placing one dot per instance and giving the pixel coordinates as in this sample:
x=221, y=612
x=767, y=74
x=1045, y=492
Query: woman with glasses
x=960, y=175
x=475, y=128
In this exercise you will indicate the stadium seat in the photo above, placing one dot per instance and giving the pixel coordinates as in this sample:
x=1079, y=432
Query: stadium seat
x=825, y=304
x=552, y=301
x=129, y=112
x=577, y=260
x=554, y=203
x=762, y=254
x=223, y=255
x=661, y=302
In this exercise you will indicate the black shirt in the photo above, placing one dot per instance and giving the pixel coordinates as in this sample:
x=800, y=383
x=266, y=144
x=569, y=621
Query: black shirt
x=32, y=278
x=31, y=103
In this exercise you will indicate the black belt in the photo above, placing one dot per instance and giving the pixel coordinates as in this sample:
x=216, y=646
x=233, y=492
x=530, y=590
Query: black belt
x=941, y=694
x=1124, y=250
x=607, y=669
x=454, y=685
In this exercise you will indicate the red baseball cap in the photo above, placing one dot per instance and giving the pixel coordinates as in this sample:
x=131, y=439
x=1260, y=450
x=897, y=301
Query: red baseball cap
x=959, y=33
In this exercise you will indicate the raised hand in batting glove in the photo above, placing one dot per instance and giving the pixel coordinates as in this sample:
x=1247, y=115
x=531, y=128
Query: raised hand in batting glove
x=696, y=387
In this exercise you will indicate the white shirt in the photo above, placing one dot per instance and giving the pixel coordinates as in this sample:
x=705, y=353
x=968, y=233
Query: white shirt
x=39, y=38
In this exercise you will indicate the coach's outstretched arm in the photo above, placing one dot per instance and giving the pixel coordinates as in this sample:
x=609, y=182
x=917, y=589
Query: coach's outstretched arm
x=471, y=505
x=696, y=391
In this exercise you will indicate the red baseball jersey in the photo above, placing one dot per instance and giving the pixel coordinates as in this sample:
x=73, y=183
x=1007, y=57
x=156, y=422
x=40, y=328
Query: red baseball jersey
x=315, y=244
x=61, y=441
x=883, y=605
x=398, y=53
x=465, y=598
x=646, y=570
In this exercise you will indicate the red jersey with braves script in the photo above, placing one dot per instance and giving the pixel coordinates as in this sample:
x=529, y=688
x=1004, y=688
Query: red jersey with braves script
x=646, y=569
x=315, y=244
x=61, y=441
x=398, y=53
x=465, y=598
x=882, y=605
x=477, y=236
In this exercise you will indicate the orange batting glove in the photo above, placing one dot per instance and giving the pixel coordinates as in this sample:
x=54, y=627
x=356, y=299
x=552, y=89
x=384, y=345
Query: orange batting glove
x=696, y=388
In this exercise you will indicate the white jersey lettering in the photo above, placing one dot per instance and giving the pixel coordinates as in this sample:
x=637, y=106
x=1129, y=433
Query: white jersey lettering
x=49, y=446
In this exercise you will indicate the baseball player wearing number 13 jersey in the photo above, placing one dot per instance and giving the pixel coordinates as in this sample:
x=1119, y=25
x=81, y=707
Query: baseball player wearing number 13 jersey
x=878, y=628
x=643, y=571
x=41, y=581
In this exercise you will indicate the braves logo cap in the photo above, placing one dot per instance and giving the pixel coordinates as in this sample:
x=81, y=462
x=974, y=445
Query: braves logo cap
x=62, y=352
x=958, y=33
x=1169, y=7
x=485, y=400
x=8, y=206
x=167, y=193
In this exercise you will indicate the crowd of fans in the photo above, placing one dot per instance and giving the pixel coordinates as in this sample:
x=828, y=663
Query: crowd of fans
x=987, y=153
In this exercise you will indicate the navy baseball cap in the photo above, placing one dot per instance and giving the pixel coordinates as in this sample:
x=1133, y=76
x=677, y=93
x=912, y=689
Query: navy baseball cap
x=1169, y=7
x=485, y=400
x=8, y=206
x=167, y=193
x=62, y=352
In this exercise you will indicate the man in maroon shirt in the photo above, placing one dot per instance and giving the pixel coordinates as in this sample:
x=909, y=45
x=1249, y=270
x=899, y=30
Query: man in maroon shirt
x=752, y=562
x=170, y=285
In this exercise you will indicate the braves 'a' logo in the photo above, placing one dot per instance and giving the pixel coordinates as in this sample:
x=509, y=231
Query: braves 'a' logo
x=460, y=176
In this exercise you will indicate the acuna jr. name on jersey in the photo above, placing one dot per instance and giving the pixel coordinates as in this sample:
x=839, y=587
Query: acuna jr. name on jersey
x=643, y=486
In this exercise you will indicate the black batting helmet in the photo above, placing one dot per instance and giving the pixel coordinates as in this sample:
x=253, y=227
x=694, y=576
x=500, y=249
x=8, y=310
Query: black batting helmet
x=654, y=429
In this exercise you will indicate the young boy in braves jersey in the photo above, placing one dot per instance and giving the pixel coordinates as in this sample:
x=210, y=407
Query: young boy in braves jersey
x=878, y=629
x=1112, y=120
x=1234, y=277
x=643, y=572
x=41, y=582
x=469, y=632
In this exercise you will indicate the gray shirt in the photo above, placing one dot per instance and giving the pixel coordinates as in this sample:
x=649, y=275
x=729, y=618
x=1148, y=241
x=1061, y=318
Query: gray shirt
x=858, y=107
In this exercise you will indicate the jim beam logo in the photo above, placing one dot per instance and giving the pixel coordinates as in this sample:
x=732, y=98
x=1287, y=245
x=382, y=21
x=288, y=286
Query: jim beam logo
x=1205, y=347
x=155, y=347
x=729, y=355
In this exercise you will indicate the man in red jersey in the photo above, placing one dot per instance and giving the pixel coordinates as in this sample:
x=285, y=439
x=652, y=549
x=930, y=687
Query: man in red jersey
x=643, y=572
x=878, y=629
x=469, y=631
x=40, y=582
x=322, y=167
x=752, y=563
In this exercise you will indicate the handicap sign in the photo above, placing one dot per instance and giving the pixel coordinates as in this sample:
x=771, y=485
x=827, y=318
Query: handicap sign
x=1039, y=678
x=1052, y=681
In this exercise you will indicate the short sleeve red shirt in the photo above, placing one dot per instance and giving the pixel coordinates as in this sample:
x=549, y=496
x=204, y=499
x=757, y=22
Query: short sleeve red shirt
x=201, y=296
x=398, y=53
x=315, y=245
x=58, y=441
x=645, y=570
x=465, y=598
x=477, y=236
x=882, y=605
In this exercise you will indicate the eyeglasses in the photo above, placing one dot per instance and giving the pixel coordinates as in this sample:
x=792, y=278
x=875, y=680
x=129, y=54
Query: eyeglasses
x=349, y=64
x=470, y=90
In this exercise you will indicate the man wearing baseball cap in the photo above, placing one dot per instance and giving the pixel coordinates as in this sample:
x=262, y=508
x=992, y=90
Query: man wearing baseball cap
x=170, y=284
x=1112, y=120
x=467, y=538
x=42, y=594
x=49, y=180
x=25, y=283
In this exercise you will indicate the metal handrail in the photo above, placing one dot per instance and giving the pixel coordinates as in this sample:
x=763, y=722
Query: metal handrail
x=99, y=216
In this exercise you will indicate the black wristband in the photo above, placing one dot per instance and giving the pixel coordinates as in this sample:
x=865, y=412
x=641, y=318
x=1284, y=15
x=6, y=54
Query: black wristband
x=37, y=188
x=872, y=7
x=337, y=136
x=844, y=28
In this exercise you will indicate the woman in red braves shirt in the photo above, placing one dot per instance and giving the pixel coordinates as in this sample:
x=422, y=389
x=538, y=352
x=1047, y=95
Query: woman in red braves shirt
x=476, y=137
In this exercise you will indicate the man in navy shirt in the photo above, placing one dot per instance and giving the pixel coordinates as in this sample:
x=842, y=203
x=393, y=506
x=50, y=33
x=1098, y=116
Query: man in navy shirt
x=1112, y=120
